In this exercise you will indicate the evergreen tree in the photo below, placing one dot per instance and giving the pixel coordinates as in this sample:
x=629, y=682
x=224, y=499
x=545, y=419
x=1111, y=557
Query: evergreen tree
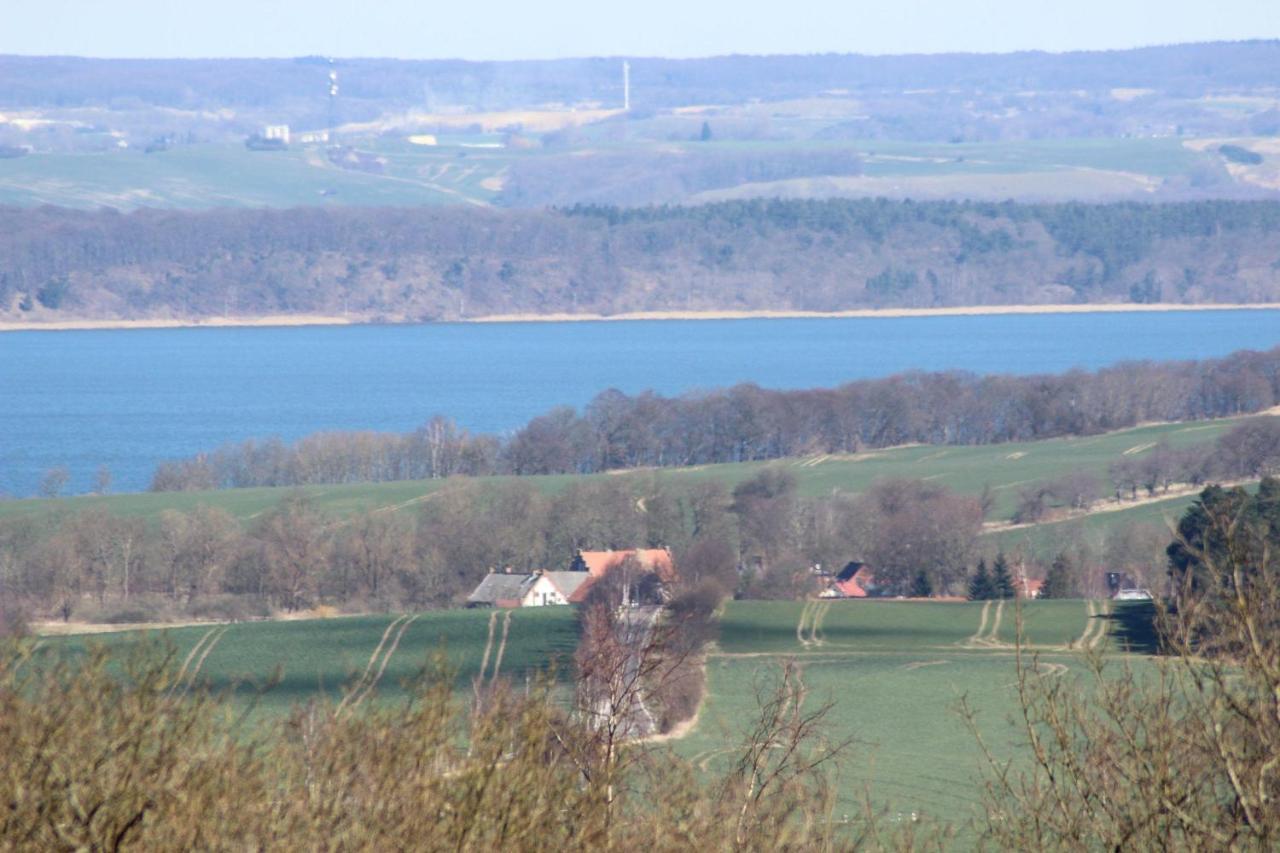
x=705, y=135
x=980, y=588
x=1058, y=583
x=1002, y=579
x=922, y=587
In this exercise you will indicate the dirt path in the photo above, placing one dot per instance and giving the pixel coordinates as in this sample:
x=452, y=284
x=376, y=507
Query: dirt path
x=982, y=625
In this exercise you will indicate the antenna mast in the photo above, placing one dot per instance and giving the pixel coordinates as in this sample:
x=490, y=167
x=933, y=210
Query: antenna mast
x=626, y=86
x=333, y=97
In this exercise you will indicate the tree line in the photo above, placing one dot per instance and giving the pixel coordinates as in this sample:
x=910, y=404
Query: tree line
x=748, y=423
x=760, y=539
x=1249, y=451
x=374, y=264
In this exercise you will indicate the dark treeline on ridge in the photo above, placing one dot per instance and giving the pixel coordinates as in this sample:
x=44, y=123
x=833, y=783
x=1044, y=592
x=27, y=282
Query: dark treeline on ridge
x=450, y=263
x=746, y=423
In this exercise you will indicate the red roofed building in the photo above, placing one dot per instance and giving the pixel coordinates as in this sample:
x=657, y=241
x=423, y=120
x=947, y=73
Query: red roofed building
x=1028, y=587
x=855, y=580
x=600, y=563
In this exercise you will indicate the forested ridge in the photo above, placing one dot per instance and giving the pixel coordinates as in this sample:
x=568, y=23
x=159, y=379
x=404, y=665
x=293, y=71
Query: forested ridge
x=450, y=263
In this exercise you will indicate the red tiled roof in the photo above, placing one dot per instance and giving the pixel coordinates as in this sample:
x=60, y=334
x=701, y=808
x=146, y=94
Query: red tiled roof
x=855, y=584
x=1030, y=588
x=600, y=563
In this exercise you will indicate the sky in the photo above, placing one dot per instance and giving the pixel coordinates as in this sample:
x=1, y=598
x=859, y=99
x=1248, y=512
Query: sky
x=539, y=29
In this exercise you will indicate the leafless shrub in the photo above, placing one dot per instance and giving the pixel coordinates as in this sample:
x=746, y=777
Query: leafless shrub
x=1185, y=757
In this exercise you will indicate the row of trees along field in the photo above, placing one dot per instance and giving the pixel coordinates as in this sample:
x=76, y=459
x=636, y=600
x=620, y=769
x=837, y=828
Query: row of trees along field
x=747, y=423
x=1248, y=451
x=450, y=263
x=1174, y=753
x=760, y=540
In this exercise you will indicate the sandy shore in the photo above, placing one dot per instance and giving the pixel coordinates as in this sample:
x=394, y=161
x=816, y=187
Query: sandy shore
x=960, y=311
x=325, y=320
x=266, y=320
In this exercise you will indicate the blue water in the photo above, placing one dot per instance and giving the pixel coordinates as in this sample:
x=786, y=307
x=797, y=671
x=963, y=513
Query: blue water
x=130, y=398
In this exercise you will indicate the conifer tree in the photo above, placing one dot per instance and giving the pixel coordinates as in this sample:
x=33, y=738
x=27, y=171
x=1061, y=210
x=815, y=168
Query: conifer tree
x=1002, y=579
x=1058, y=582
x=922, y=587
x=980, y=588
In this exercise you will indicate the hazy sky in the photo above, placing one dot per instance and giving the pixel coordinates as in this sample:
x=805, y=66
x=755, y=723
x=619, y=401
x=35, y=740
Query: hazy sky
x=515, y=29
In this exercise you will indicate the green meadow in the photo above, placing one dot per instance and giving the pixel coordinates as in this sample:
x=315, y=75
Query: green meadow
x=202, y=176
x=457, y=172
x=1003, y=467
x=895, y=671
x=283, y=664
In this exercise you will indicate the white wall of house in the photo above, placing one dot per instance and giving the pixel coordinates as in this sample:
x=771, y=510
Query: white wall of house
x=542, y=593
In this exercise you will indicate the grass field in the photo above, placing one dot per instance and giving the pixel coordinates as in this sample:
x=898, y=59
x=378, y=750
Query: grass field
x=201, y=176
x=456, y=171
x=313, y=658
x=1005, y=467
x=896, y=671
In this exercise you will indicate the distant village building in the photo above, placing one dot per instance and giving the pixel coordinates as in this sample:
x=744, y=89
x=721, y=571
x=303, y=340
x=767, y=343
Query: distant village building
x=530, y=589
x=1123, y=587
x=1028, y=587
x=273, y=137
x=855, y=580
x=543, y=588
x=600, y=563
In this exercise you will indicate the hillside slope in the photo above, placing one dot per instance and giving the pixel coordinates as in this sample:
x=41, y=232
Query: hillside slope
x=451, y=263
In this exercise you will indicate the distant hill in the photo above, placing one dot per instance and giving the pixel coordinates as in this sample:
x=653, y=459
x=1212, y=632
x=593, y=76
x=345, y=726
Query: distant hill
x=284, y=84
x=1212, y=89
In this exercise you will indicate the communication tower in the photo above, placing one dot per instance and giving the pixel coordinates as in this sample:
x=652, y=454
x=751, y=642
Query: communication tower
x=333, y=98
x=626, y=86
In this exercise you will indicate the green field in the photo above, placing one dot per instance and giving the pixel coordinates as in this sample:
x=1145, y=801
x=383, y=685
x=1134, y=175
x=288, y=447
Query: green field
x=302, y=660
x=201, y=176
x=896, y=671
x=1005, y=467
x=456, y=172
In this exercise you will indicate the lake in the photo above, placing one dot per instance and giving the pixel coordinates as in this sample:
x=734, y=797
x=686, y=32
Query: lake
x=128, y=399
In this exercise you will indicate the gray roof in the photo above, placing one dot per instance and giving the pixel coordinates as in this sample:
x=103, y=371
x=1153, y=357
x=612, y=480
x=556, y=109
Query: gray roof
x=501, y=586
x=568, y=582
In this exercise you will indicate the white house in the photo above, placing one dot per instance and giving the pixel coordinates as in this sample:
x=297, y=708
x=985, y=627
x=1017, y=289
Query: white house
x=534, y=589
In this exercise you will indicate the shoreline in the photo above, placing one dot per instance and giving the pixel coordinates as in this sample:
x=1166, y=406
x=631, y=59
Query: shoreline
x=638, y=316
x=209, y=322
x=872, y=313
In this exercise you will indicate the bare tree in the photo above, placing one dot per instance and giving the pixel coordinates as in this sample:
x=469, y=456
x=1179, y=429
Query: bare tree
x=53, y=482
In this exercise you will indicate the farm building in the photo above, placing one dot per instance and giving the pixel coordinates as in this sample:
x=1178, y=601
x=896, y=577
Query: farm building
x=541, y=588
x=600, y=563
x=532, y=589
x=855, y=580
x=1028, y=587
